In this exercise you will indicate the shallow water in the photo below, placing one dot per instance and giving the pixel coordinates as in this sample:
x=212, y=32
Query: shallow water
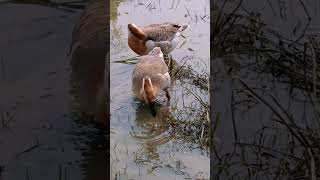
x=41, y=134
x=250, y=141
x=142, y=147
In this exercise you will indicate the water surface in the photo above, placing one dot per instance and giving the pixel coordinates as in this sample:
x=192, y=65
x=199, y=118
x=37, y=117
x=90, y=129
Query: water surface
x=42, y=136
x=262, y=98
x=143, y=147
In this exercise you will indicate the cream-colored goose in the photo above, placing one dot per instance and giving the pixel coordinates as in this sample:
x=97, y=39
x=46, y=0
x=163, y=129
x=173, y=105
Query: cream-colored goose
x=164, y=35
x=149, y=77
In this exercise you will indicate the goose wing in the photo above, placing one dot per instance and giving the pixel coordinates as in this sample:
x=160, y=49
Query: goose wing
x=150, y=65
x=163, y=31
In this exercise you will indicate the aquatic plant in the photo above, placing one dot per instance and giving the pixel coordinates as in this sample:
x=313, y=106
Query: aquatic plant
x=286, y=145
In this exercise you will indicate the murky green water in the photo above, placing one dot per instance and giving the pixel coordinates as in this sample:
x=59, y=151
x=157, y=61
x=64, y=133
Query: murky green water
x=143, y=147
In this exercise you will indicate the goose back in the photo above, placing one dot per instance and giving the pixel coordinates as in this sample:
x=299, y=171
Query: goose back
x=149, y=66
x=162, y=32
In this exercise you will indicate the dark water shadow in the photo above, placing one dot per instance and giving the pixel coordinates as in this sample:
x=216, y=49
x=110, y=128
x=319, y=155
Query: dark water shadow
x=68, y=6
x=89, y=79
x=50, y=140
x=89, y=82
x=265, y=110
x=148, y=126
x=92, y=141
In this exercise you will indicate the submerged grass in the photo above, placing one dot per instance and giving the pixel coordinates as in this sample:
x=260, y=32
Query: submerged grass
x=180, y=127
x=186, y=123
x=287, y=146
x=192, y=122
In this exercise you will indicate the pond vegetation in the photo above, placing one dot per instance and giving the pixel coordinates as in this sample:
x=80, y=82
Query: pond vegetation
x=162, y=147
x=273, y=102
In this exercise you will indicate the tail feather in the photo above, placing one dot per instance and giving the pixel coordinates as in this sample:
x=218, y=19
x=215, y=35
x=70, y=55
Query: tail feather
x=184, y=27
x=176, y=38
x=137, y=31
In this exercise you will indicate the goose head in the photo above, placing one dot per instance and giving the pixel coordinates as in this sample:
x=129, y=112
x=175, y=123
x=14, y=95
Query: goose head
x=149, y=94
x=156, y=52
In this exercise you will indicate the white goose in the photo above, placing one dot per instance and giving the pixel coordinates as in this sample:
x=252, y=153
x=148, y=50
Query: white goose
x=150, y=76
x=163, y=35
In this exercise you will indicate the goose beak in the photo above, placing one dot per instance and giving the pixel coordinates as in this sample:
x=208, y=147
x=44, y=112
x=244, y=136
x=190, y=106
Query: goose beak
x=152, y=109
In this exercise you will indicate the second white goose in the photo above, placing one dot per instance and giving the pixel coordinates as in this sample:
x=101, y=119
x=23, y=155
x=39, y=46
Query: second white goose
x=149, y=77
x=163, y=35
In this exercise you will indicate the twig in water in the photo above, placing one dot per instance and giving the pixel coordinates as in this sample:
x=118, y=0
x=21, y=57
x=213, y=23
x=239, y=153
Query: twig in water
x=65, y=173
x=1, y=170
x=184, y=42
x=312, y=166
x=233, y=121
x=27, y=174
x=60, y=172
x=277, y=114
x=307, y=25
x=2, y=68
x=199, y=99
x=5, y=121
x=29, y=149
x=128, y=60
x=189, y=13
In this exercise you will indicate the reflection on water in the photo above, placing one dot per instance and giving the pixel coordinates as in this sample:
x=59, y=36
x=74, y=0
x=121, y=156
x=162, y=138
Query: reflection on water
x=144, y=147
x=91, y=141
x=88, y=81
x=88, y=61
x=42, y=135
x=265, y=83
x=150, y=128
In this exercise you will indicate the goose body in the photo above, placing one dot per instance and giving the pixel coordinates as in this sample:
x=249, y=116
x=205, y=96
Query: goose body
x=150, y=76
x=164, y=35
